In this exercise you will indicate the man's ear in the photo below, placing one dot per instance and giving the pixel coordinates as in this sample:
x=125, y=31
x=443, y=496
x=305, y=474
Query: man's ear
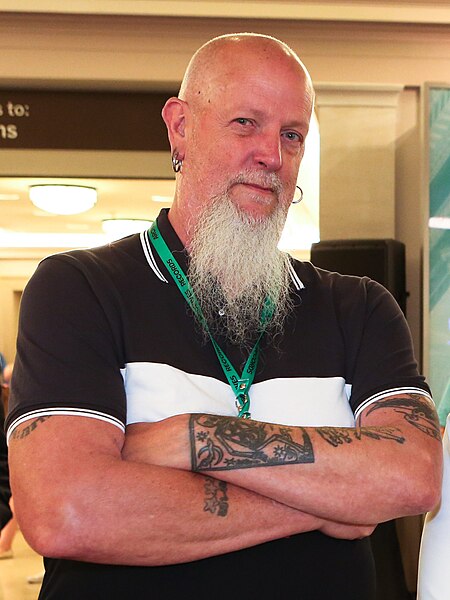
x=174, y=115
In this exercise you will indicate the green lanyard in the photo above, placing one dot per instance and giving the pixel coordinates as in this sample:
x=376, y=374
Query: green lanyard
x=239, y=384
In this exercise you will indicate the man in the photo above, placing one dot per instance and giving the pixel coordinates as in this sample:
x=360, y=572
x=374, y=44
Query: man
x=274, y=411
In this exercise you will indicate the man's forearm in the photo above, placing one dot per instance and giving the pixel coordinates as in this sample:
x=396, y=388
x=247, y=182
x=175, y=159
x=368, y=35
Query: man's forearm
x=95, y=506
x=158, y=516
x=360, y=475
x=334, y=472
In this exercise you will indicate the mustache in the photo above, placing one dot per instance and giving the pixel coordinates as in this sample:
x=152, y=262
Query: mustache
x=266, y=180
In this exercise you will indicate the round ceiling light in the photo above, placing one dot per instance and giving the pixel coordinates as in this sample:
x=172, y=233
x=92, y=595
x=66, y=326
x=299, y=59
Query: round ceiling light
x=63, y=199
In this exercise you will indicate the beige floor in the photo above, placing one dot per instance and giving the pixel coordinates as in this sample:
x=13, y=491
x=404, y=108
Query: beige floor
x=14, y=572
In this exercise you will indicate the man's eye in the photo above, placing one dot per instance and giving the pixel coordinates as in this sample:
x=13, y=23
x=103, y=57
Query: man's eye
x=293, y=136
x=243, y=121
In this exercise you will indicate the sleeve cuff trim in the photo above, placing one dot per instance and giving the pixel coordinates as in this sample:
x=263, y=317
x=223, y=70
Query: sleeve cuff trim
x=399, y=391
x=64, y=411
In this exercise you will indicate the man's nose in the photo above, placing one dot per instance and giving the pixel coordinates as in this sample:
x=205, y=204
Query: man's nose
x=268, y=152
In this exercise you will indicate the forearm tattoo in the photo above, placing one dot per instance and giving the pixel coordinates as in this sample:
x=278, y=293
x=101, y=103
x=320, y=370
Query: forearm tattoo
x=338, y=436
x=416, y=411
x=216, y=499
x=226, y=443
x=22, y=432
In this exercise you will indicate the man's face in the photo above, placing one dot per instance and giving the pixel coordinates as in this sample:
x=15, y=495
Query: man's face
x=246, y=135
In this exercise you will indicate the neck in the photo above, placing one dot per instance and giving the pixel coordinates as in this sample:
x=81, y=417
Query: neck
x=177, y=223
x=187, y=207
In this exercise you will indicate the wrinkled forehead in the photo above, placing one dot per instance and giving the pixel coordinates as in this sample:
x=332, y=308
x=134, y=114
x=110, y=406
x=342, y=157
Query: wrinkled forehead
x=259, y=80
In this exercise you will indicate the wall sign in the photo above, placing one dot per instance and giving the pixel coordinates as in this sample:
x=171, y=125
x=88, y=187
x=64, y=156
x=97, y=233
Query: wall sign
x=82, y=120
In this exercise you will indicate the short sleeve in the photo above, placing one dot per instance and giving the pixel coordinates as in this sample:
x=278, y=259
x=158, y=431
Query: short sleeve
x=385, y=362
x=68, y=348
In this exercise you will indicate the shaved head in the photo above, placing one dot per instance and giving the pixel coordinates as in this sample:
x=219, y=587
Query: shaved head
x=221, y=55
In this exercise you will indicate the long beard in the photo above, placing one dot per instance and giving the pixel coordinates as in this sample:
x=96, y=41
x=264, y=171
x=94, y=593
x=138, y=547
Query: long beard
x=235, y=266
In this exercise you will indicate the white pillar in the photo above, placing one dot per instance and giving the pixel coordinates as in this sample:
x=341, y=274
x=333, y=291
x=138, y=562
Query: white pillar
x=357, y=159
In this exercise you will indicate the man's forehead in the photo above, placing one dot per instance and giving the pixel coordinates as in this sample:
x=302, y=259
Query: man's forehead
x=237, y=58
x=257, y=95
x=255, y=71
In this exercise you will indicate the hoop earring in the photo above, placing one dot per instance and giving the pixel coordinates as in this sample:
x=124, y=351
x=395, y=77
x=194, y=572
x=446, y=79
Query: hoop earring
x=177, y=163
x=298, y=200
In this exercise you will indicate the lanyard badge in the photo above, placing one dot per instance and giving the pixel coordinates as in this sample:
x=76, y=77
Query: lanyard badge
x=240, y=384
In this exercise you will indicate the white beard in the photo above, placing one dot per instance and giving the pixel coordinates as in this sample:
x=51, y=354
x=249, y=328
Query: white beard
x=234, y=266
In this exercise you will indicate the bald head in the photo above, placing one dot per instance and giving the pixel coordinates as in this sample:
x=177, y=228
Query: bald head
x=223, y=57
x=238, y=127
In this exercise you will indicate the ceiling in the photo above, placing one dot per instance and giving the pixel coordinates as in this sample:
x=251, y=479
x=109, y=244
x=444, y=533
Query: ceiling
x=117, y=198
x=400, y=11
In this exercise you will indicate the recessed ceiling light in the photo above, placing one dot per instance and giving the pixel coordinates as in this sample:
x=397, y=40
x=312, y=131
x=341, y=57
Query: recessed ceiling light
x=63, y=199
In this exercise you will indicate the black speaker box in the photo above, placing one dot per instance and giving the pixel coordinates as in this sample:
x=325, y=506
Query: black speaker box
x=381, y=260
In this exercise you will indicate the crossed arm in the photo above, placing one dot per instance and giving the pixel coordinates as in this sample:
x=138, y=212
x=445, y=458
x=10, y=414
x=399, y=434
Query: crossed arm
x=195, y=486
x=388, y=466
x=77, y=498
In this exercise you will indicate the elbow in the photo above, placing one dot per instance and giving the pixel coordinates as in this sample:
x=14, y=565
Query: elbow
x=53, y=532
x=426, y=499
x=424, y=493
x=41, y=538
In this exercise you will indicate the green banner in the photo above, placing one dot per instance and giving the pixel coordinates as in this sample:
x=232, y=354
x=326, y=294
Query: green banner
x=439, y=248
